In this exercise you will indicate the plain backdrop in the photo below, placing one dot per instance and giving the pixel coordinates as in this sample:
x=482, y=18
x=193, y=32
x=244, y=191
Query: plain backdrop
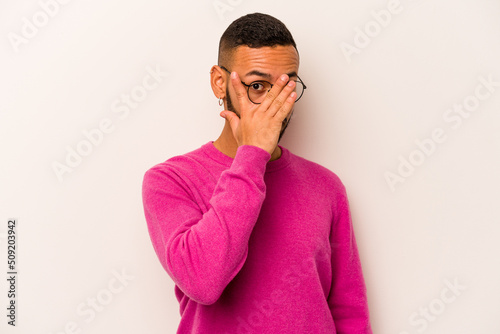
x=402, y=103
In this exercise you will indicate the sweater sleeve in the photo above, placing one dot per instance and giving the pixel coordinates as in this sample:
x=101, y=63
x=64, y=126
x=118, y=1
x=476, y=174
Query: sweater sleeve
x=203, y=251
x=347, y=299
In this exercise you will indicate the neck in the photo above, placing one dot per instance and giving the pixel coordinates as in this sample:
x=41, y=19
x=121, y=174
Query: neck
x=228, y=145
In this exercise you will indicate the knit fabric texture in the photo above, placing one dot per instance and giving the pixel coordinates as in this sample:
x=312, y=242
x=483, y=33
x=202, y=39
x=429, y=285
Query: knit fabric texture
x=256, y=246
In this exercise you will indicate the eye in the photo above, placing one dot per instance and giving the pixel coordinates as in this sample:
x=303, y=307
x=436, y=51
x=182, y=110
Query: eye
x=258, y=86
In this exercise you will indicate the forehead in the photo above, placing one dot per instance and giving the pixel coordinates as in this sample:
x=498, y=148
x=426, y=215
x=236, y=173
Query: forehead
x=280, y=59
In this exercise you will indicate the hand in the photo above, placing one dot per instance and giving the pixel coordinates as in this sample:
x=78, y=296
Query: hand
x=260, y=124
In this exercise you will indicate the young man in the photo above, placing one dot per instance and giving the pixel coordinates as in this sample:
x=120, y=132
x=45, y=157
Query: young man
x=256, y=239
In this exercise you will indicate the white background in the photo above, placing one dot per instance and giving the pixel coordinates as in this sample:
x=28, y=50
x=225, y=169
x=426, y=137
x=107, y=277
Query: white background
x=360, y=115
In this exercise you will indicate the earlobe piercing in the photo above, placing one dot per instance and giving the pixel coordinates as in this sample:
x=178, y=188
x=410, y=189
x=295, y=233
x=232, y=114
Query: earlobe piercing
x=221, y=101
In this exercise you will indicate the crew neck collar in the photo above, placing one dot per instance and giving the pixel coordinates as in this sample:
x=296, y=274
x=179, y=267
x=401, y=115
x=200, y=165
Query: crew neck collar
x=283, y=161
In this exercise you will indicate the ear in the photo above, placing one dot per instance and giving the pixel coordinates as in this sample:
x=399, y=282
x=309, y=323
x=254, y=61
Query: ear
x=218, y=81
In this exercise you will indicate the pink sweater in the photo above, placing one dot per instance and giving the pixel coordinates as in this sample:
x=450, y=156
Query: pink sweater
x=256, y=246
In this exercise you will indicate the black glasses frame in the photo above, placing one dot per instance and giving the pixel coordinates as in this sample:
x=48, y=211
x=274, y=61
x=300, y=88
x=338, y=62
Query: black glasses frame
x=257, y=81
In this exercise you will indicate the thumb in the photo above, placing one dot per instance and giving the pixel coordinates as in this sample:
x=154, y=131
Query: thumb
x=231, y=118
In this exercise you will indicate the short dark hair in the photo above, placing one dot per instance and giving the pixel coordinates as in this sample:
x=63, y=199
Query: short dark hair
x=255, y=31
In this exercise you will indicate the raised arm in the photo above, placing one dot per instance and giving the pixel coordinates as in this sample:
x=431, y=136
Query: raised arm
x=203, y=251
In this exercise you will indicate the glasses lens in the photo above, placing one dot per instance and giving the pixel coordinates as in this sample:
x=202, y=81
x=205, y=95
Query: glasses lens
x=299, y=89
x=257, y=91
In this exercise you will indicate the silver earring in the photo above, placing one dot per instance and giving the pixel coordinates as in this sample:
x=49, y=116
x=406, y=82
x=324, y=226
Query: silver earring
x=221, y=101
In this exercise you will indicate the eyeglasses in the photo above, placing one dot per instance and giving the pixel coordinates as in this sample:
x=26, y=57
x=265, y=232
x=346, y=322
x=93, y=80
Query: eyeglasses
x=257, y=90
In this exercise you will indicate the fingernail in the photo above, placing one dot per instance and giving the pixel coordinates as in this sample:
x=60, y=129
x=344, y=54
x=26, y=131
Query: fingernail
x=290, y=83
x=233, y=75
x=284, y=77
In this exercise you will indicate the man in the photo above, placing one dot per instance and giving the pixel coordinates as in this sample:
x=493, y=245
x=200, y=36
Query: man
x=256, y=239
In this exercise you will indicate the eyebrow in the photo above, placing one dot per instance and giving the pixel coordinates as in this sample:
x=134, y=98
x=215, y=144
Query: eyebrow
x=267, y=75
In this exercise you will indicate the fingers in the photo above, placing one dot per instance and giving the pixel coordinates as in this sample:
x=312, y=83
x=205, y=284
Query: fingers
x=287, y=106
x=275, y=91
x=276, y=100
x=283, y=103
x=241, y=92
